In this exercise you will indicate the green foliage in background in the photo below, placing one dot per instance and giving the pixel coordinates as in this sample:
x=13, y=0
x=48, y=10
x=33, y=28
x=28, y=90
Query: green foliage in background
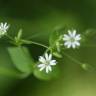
x=38, y=19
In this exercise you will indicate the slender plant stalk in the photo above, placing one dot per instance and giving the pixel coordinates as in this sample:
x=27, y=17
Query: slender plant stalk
x=73, y=59
x=36, y=43
x=40, y=44
x=9, y=37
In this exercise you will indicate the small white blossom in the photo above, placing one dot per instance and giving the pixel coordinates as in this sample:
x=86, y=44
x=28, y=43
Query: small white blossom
x=72, y=39
x=46, y=62
x=3, y=28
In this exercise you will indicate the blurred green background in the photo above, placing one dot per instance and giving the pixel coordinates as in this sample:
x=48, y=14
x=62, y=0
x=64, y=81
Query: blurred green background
x=38, y=18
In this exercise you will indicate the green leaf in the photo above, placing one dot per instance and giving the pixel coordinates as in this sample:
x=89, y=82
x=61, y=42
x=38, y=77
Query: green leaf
x=21, y=58
x=18, y=38
x=58, y=55
x=19, y=34
x=42, y=75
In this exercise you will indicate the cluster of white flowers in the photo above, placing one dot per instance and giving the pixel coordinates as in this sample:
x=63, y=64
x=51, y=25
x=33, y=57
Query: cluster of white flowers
x=71, y=40
x=3, y=28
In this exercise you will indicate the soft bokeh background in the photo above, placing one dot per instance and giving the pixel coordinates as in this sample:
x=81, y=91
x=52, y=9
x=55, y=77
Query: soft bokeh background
x=38, y=18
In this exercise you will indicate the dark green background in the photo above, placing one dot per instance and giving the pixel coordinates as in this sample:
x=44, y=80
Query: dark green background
x=38, y=18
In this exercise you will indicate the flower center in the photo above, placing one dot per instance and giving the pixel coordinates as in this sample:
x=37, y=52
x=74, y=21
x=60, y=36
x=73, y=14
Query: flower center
x=47, y=62
x=72, y=39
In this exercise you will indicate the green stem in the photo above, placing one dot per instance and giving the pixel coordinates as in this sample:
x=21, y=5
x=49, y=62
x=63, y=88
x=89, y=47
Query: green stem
x=73, y=59
x=36, y=43
x=48, y=49
x=40, y=44
x=9, y=37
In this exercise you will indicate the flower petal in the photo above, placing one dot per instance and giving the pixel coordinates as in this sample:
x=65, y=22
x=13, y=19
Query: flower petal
x=50, y=57
x=42, y=59
x=74, y=33
x=73, y=45
x=77, y=37
x=41, y=65
x=69, y=45
x=53, y=62
x=77, y=43
x=66, y=37
x=46, y=56
x=5, y=25
x=1, y=24
x=42, y=68
x=70, y=33
x=47, y=69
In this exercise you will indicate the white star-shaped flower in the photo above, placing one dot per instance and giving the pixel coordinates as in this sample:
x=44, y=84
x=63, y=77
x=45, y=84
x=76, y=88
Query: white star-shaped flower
x=3, y=28
x=46, y=62
x=72, y=39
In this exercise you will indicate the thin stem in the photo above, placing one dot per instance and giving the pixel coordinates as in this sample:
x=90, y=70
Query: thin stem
x=36, y=43
x=73, y=59
x=39, y=44
x=9, y=37
x=48, y=49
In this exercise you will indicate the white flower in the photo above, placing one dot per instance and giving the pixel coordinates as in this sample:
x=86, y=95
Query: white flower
x=72, y=39
x=3, y=28
x=46, y=62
